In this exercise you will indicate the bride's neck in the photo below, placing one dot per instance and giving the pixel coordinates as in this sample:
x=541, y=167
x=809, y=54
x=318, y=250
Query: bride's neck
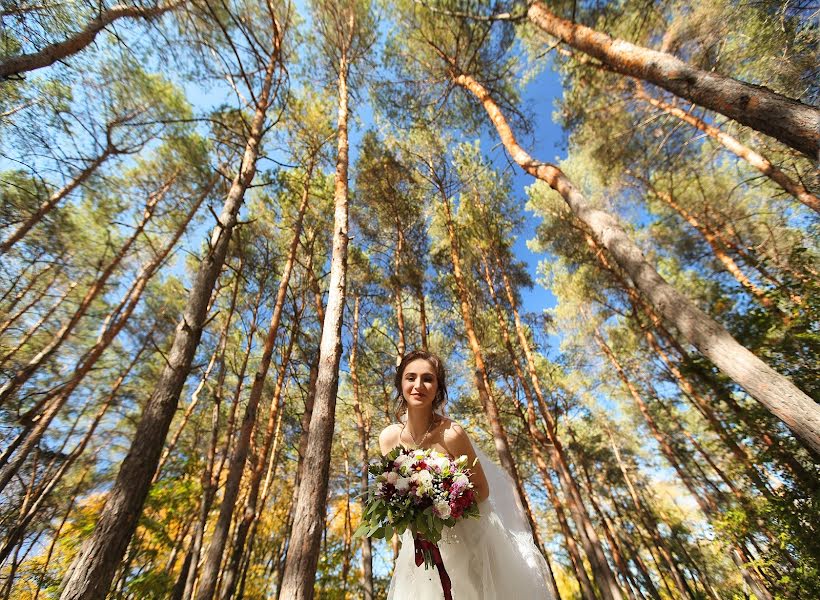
x=419, y=420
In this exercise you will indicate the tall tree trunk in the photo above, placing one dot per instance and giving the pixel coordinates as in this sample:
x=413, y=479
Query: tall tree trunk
x=251, y=509
x=14, y=67
x=705, y=407
x=397, y=296
x=212, y=471
x=422, y=315
x=788, y=120
x=303, y=547
x=45, y=491
x=779, y=395
x=219, y=537
x=35, y=327
x=51, y=265
x=719, y=252
x=589, y=538
x=530, y=422
x=758, y=161
x=363, y=431
x=649, y=520
x=89, y=577
x=480, y=374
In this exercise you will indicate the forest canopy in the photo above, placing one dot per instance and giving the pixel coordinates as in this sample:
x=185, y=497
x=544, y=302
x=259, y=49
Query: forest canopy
x=224, y=222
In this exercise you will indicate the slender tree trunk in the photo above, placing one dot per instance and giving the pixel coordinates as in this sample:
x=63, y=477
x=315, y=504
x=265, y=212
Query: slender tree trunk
x=270, y=475
x=51, y=265
x=11, y=319
x=640, y=305
x=740, y=452
x=251, y=511
x=779, y=395
x=482, y=379
x=24, y=374
x=90, y=575
x=363, y=430
x=55, y=198
x=397, y=296
x=35, y=327
x=589, y=538
x=45, y=491
x=758, y=161
x=303, y=547
x=614, y=547
x=788, y=120
x=728, y=262
x=530, y=422
x=15, y=66
x=649, y=520
x=212, y=473
x=422, y=315
x=213, y=560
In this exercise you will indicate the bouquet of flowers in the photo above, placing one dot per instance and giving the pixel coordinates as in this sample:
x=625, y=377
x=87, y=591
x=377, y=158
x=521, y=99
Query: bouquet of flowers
x=423, y=490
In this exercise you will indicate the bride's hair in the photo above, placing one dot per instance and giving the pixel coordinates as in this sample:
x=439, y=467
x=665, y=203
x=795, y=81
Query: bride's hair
x=441, y=379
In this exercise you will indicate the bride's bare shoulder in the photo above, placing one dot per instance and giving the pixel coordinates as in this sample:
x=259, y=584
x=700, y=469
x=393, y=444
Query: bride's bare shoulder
x=452, y=430
x=389, y=437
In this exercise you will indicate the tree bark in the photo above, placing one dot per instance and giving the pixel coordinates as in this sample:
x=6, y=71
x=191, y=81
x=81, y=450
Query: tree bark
x=45, y=491
x=89, y=577
x=788, y=120
x=363, y=430
x=728, y=262
x=758, y=161
x=706, y=503
x=303, y=548
x=397, y=296
x=219, y=537
x=480, y=374
x=422, y=315
x=15, y=66
x=779, y=395
x=35, y=327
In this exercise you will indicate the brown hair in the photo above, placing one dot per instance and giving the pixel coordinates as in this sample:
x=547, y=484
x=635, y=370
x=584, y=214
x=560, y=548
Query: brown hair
x=441, y=379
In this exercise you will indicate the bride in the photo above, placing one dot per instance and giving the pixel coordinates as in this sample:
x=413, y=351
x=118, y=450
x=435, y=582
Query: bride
x=493, y=557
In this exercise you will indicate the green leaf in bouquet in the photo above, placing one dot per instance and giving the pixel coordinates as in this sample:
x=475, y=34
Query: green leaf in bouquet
x=362, y=530
x=388, y=532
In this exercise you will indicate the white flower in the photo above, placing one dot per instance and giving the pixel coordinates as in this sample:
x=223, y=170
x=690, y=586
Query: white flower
x=403, y=484
x=424, y=481
x=392, y=477
x=442, y=509
x=461, y=479
x=439, y=463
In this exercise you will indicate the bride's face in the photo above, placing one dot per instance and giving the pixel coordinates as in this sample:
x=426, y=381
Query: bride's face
x=419, y=384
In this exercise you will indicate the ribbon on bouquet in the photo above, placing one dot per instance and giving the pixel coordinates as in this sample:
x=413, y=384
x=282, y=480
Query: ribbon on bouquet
x=425, y=549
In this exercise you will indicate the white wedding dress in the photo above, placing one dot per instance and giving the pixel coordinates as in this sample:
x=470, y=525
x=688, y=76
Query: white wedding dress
x=490, y=558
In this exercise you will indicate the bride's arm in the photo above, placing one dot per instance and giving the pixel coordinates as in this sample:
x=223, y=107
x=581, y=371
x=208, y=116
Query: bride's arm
x=458, y=443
